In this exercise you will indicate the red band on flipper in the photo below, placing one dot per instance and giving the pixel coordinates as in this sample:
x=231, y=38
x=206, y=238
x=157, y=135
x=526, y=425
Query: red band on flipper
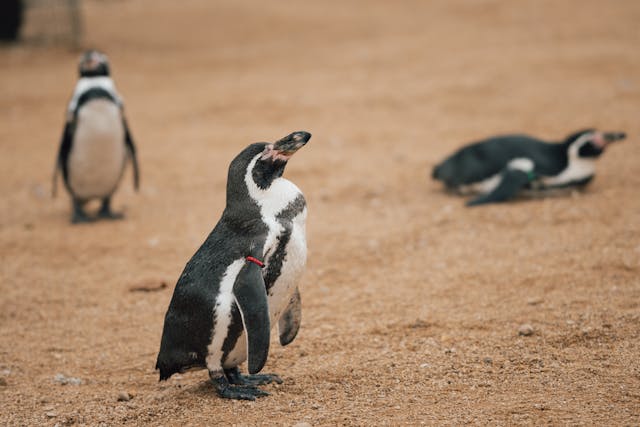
x=256, y=261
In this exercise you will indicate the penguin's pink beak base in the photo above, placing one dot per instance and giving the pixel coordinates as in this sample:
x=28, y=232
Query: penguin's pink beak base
x=605, y=138
x=286, y=147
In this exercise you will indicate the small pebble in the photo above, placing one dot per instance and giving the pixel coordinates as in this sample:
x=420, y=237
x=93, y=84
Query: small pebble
x=124, y=396
x=525, y=330
x=3, y=382
x=51, y=414
x=60, y=378
x=488, y=360
x=535, y=301
x=302, y=424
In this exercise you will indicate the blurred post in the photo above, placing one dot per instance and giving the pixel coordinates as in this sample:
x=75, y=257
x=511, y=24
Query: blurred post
x=76, y=23
x=11, y=12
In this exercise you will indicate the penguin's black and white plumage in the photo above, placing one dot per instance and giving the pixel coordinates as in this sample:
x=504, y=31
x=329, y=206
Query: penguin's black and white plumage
x=243, y=278
x=96, y=140
x=498, y=168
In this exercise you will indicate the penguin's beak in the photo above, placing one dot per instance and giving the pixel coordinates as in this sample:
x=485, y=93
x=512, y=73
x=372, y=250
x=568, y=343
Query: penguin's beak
x=292, y=143
x=614, y=136
x=286, y=147
x=92, y=60
x=605, y=138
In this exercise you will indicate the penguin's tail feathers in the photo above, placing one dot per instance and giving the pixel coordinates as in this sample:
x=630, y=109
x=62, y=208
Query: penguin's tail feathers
x=165, y=371
x=435, y=173
x=439, y=172
x=168, y=367
x=444, y=172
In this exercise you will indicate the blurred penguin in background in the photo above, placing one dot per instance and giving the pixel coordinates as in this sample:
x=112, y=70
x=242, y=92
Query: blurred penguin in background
x=499, y=168
x=96, y=141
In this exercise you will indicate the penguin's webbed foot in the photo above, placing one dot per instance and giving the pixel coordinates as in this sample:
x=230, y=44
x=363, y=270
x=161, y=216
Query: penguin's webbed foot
x=79, y=216
x=237, y=392
x=106, y=213
x=235, y=377
x=110, y=215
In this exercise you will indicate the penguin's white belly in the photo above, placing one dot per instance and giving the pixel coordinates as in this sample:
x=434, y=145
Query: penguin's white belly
x=481, y=187
x=576, y=170
x=280, y=293
x=98, y=154
x=292, y=269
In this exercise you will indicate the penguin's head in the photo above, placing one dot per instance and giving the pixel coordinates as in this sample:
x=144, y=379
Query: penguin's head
x=264, y=162
x=590, y=143
x=93, y=64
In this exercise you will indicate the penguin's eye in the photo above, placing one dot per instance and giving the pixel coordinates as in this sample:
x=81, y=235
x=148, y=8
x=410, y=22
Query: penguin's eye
x=589, y=150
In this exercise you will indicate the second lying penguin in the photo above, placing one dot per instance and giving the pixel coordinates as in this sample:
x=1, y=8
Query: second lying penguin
x=499, y=168
x=243, y=278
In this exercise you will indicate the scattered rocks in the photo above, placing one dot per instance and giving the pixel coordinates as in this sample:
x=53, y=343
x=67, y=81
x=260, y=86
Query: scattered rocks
x=149, y=286
x=525, y=330
x=64, y=380
x=124, y=396
x=419, y=324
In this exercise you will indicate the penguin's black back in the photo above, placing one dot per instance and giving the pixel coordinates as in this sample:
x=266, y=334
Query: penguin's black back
x=189, y=321
x=484, y=159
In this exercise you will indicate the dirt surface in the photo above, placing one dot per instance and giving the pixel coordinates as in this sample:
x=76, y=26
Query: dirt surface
x=412, y=303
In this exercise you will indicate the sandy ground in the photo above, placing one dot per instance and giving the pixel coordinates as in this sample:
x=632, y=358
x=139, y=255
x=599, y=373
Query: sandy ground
x=411, y=302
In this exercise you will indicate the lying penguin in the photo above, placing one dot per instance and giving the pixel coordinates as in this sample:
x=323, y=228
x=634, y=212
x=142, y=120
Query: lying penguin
x=95, y=141
x=501, y=167
x=243, y=278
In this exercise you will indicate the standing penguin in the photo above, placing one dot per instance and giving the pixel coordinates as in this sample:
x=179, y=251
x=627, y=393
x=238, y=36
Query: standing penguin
x=498, y=168
x=243, y=278
x=96, y=140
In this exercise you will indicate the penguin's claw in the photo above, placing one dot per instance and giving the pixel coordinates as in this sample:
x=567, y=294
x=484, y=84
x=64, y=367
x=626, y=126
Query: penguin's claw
x=234, y=376
x=80, y=218
x=238, y=392
x=111, y=215
x=259, y=379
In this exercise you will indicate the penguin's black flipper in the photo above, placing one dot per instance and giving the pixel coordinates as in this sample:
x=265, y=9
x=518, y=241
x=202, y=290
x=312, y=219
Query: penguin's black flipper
x=251, y=297
x=289, y=322
x=128, y=140
x=63, y=155
x=512, y=181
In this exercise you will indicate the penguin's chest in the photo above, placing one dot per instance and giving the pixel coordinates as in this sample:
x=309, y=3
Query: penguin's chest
x=577, y=173
x=285, y=256
x=285, y=261
x=98, y=155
